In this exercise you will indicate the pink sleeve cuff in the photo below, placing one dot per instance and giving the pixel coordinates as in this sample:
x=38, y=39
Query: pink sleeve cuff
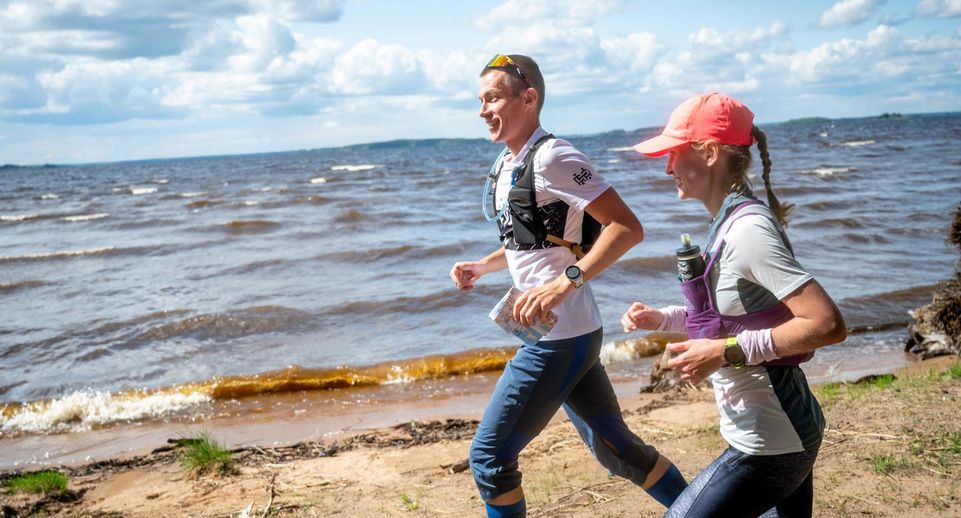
x=757, y=345
x=673, y=321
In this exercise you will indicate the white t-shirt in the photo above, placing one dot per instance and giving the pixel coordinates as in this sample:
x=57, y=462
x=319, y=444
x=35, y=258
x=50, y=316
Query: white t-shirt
x=561, y=172
x=760, y=415
x=756, y=269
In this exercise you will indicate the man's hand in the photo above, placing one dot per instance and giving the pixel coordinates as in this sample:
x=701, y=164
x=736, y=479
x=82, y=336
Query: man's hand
x=641, y=316
x=698, y=359
x=465, y=273
x=536, y=302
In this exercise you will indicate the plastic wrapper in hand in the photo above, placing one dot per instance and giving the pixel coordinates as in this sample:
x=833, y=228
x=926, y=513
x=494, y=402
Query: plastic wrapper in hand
x=503, y=315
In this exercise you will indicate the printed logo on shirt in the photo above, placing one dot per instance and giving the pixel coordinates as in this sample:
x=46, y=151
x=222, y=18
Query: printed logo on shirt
x=582, y=176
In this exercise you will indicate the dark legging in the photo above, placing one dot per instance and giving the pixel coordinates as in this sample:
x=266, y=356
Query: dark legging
x=740, y=485
x=540, y=379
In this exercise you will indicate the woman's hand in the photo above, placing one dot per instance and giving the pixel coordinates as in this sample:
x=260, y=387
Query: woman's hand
x=641, y=316
x=698, y=359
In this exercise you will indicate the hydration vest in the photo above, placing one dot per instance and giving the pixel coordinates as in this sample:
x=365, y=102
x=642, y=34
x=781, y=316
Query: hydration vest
x=533, y=227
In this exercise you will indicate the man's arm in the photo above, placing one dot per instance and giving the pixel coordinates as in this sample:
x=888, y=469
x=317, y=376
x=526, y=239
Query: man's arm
x=465, y=273
x=621, y=232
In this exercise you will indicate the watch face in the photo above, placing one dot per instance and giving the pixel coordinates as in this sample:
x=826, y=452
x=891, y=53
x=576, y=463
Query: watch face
x=734, y=355
x=573, y=272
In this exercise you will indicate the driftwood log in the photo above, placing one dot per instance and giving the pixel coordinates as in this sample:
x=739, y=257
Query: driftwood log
x=936, y=330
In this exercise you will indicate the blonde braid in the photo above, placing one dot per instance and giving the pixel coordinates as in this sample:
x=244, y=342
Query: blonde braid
x=781, y=211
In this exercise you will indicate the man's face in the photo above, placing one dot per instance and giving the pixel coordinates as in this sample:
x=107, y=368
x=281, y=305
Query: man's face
x=504, y=113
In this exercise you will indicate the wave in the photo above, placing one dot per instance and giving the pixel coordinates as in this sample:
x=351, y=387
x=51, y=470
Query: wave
x=318, y=180
x=138, y=332
x=9, y=287
x=864, y=238
x=828, y=171
x=832, y=222
x=376, y=254
x=664, y=263
x=16, y=218
x=296, y=200
x=883, y=310
x=49, y=196
x=85, y=217
x=350, y=216
x=199, y=204
x=620, y=149
x=830, y=204
x=74, y=254
x=232, y=324
x=354, y=168
x=192, y=194
x=241, y=226
x=84, y=410
x=137, y=191
x=857, y=143
x=66, y=254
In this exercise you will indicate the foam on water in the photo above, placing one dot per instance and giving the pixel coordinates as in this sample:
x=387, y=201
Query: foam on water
x=136, y=191
x=19, y=217
x=858, y=143
x=319, y=179
x=828, y=171
x=83, y=410
x=56, y=255
x=354, y=168
x=85, y=217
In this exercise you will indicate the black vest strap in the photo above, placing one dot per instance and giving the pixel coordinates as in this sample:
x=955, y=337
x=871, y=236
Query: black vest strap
x=528, y=231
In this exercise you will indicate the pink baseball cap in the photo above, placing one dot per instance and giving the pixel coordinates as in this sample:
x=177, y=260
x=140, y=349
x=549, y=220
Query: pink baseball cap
x=712, y=116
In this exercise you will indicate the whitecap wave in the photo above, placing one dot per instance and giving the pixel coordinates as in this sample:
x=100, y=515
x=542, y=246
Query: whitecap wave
x=19, y=217
x=319, y=179
x=136, y=191
x=85, y=217
x=80, y=411
x=161, y=181
x=50, y=196
x=858, y=143
x=354, y=167
x=55, y=255
x=828, y=171
x=620, y=149
x=191, y=194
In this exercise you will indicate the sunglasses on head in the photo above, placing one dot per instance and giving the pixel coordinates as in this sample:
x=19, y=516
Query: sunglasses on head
x=504, y=61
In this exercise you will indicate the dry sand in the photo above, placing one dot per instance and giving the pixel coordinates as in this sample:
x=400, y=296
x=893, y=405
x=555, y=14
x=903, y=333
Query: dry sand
x=890, y=450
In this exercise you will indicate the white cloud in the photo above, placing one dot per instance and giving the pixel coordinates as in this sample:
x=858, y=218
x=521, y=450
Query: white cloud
x=938, y=8
x=848, y=12
x=93, y=92
x=301, y=10
x=520, y=13
x=264, y=39
x=637, y=52
x=371, y=67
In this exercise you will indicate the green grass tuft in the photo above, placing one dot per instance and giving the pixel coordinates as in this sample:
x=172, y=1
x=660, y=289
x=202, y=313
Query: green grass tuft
x=203, y=454
x=47, y=481
x=883, y=463
x=409, y=503
x=953, y=372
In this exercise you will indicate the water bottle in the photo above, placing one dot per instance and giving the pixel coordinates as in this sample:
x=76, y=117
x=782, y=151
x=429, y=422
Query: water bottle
x=690, y=264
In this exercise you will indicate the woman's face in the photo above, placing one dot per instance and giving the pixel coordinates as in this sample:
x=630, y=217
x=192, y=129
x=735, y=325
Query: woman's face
x=692, y=175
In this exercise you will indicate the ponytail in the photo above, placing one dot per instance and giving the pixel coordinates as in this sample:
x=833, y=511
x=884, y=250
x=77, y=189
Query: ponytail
x=781, y=211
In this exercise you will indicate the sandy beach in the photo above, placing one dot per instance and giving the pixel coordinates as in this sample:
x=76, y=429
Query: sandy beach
x=892, y=448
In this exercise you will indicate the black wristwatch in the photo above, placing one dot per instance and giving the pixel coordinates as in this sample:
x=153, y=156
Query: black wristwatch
x=733, y=354
x=575, y=275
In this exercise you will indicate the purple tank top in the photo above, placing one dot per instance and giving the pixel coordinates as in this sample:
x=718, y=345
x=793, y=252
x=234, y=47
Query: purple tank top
x=705, y=321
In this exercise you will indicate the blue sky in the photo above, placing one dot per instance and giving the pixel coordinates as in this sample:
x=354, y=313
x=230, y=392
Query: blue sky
x=105, y=80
